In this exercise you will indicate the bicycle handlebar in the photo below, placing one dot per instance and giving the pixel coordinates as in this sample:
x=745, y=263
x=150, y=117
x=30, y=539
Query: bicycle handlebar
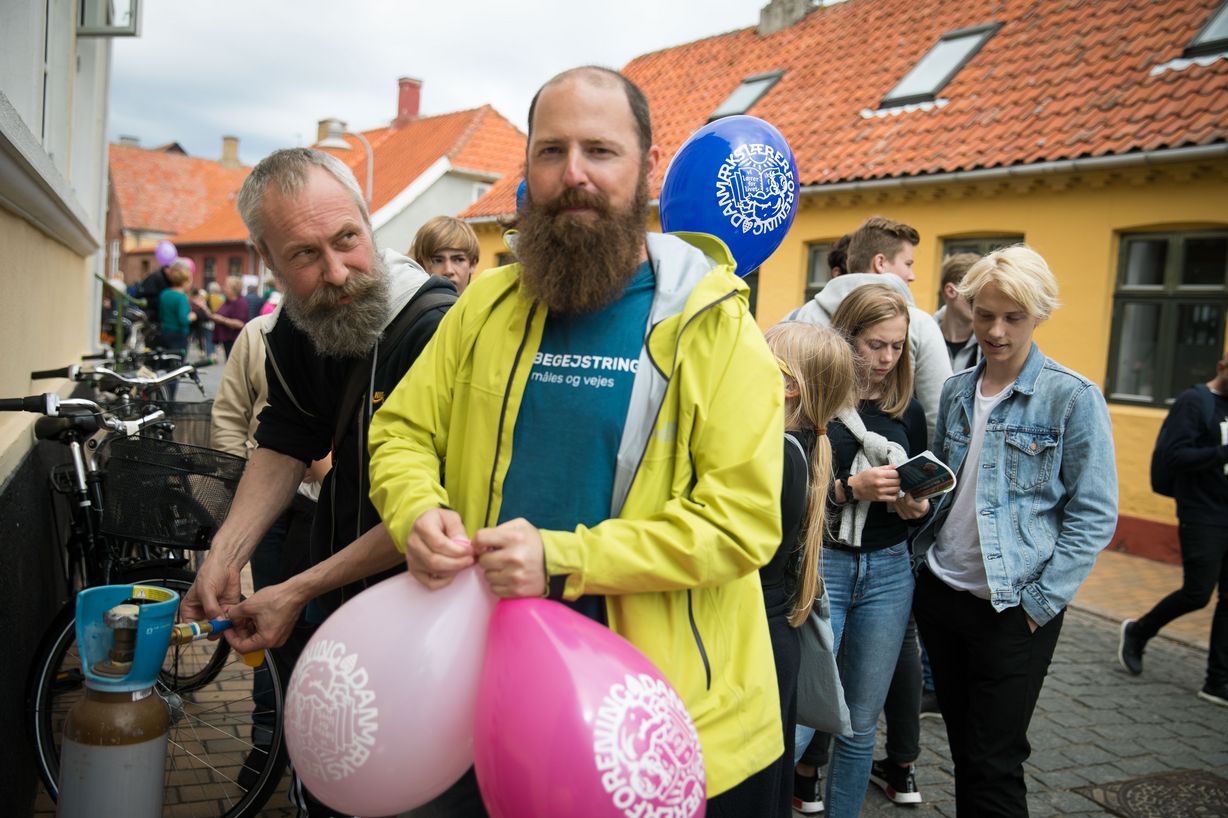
x=46, y=404
x=77, y=372
x=52, y=405
x=69, y=371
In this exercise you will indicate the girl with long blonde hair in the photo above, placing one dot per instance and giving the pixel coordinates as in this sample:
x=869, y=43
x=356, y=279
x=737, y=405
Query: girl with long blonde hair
x=866, y=568
x=819, y=381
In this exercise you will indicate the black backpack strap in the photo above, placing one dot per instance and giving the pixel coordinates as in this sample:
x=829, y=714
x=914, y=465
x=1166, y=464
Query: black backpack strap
x=356, y=383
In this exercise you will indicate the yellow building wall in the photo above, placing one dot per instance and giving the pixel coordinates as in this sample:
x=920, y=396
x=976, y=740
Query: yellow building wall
x=46, y=290
x=1075, y=220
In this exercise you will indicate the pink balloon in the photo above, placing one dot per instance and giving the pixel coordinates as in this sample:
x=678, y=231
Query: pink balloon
x=191, y=265
x=165, y=252
x=573, y=720
x=379, y=710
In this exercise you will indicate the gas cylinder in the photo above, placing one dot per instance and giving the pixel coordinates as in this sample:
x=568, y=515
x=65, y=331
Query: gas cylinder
x=115, y=737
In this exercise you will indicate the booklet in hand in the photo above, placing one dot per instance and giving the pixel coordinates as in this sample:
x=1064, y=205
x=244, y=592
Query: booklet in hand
x=925, y=476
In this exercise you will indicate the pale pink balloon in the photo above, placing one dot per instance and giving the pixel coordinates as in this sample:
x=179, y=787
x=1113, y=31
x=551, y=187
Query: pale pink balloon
x=379, y=710
x=572, y=720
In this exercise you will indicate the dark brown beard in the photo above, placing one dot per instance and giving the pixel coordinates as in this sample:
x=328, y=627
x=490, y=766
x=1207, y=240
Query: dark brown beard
x=343, y=330
x=578, y=265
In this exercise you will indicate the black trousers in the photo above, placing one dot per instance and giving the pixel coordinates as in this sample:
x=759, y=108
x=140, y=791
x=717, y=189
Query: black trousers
x=1204, y=561
x=988, y=671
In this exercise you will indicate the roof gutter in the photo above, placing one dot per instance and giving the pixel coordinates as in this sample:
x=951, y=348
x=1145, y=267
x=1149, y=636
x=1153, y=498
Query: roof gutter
x=1142, y=158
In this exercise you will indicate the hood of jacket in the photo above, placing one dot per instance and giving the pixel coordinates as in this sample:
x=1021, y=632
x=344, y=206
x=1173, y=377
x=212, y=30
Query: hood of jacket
x=823, y=306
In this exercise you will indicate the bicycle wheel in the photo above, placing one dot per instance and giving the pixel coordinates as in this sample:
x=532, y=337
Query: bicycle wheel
x=215, y=765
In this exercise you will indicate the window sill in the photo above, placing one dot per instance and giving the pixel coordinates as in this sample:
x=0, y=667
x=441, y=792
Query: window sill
x=32, y=187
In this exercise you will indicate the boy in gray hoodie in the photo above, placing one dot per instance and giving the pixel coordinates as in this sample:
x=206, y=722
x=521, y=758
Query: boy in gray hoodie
x=881, y=252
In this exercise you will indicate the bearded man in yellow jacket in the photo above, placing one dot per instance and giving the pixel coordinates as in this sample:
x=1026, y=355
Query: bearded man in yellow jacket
x=603, y=421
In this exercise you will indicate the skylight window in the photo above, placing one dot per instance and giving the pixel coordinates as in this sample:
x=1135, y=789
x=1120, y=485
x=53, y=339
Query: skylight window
x=939, y=66
x=745, y=95
x=1213, y=39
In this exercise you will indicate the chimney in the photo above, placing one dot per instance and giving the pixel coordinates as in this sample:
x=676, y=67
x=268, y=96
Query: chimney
x=324, y=125
x=780, y=14
x=230, y=152
x=129, y=141
x=409, y=94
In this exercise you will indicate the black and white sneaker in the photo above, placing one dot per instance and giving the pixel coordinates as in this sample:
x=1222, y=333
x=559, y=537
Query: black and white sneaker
x=898, y=783
x=1130, y=648
x=1216, y=694
x=808, y=793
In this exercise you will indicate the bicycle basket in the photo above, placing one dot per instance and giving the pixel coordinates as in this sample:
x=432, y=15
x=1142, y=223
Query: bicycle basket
x=192, y=419
x=167, y=493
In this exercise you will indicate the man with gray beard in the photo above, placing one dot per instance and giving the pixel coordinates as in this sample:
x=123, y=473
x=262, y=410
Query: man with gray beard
x=340, y=345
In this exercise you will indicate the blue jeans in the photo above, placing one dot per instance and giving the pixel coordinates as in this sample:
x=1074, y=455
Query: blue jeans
x=871, y=596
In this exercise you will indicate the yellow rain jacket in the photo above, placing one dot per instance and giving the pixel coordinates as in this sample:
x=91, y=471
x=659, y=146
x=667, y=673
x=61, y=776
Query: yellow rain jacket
x=696, y=507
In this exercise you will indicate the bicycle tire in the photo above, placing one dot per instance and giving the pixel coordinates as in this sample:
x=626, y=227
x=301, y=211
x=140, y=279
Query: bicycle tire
x=207, y=770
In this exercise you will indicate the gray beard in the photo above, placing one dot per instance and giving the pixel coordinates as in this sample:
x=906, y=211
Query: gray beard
x=339, y=330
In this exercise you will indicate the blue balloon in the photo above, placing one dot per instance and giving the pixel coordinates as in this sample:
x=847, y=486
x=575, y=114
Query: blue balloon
x=520, y=193
x=735, y=179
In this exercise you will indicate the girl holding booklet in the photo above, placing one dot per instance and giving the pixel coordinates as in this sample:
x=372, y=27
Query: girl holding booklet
x=1036, y=501
x=866, y=566
x=819, y=381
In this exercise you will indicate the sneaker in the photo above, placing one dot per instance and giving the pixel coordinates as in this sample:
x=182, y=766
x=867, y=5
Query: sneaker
x=899, y=783
x=1216, y=694
x=253, y=765
x=929, y=705
x=808, y=793
x=1130, y=649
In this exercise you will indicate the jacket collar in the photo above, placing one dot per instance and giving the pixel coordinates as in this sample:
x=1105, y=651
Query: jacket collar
x=1025, y=381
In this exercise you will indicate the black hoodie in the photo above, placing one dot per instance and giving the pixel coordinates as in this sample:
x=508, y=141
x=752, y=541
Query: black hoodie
x=1197, y=454
x=305, y=396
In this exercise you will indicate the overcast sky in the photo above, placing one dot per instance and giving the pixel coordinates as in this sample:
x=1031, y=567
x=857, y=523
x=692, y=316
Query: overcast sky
x=267, y=70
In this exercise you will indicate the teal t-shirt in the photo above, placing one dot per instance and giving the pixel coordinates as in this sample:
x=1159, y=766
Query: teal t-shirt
x=173, y=311
x=571, y=417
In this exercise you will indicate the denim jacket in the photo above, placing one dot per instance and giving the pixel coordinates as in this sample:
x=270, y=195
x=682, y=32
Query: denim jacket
x=1046, y=493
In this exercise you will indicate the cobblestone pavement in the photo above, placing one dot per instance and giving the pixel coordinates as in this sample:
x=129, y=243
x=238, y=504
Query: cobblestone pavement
x=1094, y=724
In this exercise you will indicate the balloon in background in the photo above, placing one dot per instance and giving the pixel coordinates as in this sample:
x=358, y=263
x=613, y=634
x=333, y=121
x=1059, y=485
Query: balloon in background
x=573, y=720
x=735, y=179
x=165, y=253
x=520, y=195
x=379, y=710
x=191, y=265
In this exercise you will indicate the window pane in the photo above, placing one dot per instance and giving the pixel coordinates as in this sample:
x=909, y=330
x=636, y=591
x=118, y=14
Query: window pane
x=744, y=96
x=930, y=74
x=1139, y=335
x=1200, y=337
x=1205, y=261
x=818, y=271
x=1145, y=259
x=1217, y=30
x=236, y=265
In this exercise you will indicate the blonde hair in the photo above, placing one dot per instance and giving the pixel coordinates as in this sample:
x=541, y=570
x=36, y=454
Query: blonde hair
x=444, y=233
x=1020, y=273
x=178, y=273
x=861, y=309
x=819, y=362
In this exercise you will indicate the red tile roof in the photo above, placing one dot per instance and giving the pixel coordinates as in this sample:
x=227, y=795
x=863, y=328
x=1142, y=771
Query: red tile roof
x=221, y=226
x=479, y=140
x=1061, y=79
x=168, y=192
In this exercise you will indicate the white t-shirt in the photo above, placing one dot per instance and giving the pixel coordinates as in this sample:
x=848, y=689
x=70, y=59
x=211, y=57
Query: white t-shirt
x=955, y=557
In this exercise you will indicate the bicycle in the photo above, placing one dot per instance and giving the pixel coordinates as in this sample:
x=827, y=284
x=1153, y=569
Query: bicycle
x=206, y=688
